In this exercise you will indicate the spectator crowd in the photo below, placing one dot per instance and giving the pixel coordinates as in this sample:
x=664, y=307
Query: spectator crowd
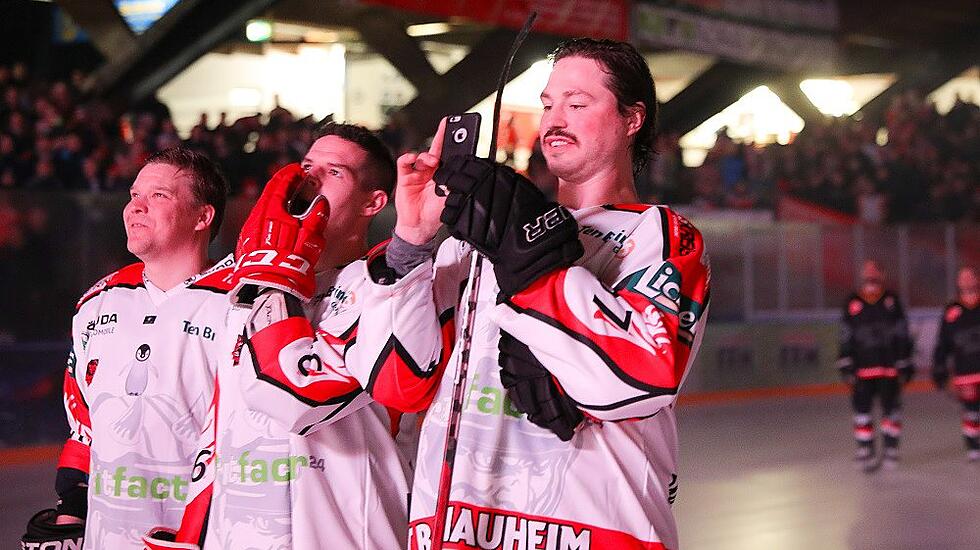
x=916, y=165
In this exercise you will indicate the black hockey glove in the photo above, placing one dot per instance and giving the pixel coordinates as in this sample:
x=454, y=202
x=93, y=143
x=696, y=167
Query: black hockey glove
x=940, y=377
x=906, y=373
x=534, y=392
x=847, y=374
x=43, y=533
x=508, y=219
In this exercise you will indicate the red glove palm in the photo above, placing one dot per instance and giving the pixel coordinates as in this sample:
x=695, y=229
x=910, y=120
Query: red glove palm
x=276, y=249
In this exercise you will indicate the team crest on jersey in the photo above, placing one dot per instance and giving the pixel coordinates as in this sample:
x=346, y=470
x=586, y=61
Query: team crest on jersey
x=143, y=352
x=663, y=288
x=90, y=371
x=890, y=302
x=953, y=313
x=854, y=307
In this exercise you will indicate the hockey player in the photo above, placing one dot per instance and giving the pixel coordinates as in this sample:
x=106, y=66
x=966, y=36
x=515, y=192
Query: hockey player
x=875, y=359
x=297, y=455
x=141, y=368
x=587, y=320
x=959, y=344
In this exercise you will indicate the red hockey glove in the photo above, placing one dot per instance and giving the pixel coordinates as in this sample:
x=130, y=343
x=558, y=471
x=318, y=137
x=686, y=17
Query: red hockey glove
x=161, y=538
x=276, y=249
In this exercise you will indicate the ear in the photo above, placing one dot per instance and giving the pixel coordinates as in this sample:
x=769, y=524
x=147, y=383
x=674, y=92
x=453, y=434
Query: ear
x=376, y=202
x=205, y=219
x=635, y=116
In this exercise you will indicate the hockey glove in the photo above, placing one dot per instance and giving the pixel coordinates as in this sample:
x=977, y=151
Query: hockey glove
x=42, y=532
x=940, y=377
x=906, y=372
x=534, y=392
x=276, y=249
x=161, y=538
x=509, y=220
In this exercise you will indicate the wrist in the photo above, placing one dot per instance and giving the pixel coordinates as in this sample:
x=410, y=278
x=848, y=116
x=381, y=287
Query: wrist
x=415, y=235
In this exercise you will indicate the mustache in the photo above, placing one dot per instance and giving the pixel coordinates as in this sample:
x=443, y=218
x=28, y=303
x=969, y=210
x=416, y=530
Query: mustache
x=559, y=133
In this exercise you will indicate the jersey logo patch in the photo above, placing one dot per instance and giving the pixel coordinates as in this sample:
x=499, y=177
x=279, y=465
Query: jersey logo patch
x=953, y=313
x=149, y=319
x=90, y=371
x=855, y=307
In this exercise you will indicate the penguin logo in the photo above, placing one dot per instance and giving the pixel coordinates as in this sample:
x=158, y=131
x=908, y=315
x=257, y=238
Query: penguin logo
x=143, y=352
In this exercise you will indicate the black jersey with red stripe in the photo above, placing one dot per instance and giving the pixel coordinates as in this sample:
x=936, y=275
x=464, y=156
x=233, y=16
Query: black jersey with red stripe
x=959, y=342
x=874, y=334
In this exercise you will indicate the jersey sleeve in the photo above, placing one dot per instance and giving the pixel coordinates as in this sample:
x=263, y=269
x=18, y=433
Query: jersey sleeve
x=407, y=331
x=194, y=522
x=901, y=338
x=845, y=357
x=944, y=343
x=620, y=352
x=293, y=371
x=76, y=451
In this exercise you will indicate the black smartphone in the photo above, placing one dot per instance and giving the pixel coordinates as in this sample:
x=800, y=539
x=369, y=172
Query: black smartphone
x=303, y=195
x=459, y=138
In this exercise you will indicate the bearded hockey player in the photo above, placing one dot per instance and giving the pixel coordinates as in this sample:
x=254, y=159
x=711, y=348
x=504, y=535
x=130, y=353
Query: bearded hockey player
x=584, y=328
x=959, y=346
x=297, y=455
x=875, y=360
x=141, y=370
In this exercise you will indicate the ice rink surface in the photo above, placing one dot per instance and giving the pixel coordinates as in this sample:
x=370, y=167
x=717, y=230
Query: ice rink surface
x=763, y=474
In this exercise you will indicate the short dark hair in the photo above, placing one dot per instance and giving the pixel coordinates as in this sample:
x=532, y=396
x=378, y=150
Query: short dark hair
x=381, y=167
x=628, y=78
x=208, y=183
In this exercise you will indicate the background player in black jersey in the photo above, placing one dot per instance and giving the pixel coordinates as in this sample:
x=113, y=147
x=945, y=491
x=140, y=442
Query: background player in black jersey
x=958, y=350
x=875, y=359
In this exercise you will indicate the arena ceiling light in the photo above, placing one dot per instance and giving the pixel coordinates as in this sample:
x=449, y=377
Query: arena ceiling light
x=258, y=30
x=428, y=29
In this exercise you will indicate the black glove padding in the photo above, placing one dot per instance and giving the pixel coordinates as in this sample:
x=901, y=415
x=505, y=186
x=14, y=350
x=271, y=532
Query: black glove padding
x=534, y=392
x=507, y=219
x=906, y=373
x=41, y=529
x=940, y=378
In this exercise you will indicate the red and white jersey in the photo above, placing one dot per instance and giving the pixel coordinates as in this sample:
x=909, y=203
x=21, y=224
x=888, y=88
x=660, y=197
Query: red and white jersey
x=300, y=456
x=137, y=388
x=617, y=331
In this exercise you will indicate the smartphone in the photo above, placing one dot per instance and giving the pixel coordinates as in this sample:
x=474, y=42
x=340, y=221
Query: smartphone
x=303, y=196
x=460, y=138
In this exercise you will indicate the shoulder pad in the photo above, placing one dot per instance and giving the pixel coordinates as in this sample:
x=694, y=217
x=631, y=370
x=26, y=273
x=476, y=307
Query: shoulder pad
x=130, y=276
x=952, y=312
x=216, y=278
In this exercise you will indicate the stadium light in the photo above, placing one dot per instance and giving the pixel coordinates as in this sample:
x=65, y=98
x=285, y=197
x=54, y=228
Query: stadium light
x=428, y=29
x=830, y=97
x=258, y=30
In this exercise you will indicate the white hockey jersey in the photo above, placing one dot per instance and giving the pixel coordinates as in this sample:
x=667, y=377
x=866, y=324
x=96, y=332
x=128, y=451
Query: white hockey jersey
x=300, y=456
x=139, y=380
x=617, y=331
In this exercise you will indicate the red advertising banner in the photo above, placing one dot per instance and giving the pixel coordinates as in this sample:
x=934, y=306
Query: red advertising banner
x=594, y=18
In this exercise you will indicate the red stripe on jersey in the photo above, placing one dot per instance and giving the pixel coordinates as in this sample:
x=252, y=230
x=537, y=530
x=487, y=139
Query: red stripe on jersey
x=75, y=454
x=394, y=418
x=219, y=281
x=398, y=382
x=194, y=525
x=81, y=422
x=324, y=384
x=130, y=276
x=377, y=250
x=506, y=529
x=629, y=207
x=633, y=363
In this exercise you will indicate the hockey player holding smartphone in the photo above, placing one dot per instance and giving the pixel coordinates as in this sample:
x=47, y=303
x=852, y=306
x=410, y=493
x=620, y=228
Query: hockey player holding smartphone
x=296, y=455
x=141, y=371
x=584, y=329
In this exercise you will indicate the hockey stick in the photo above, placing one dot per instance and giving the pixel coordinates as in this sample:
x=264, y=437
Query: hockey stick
x=472, y=289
